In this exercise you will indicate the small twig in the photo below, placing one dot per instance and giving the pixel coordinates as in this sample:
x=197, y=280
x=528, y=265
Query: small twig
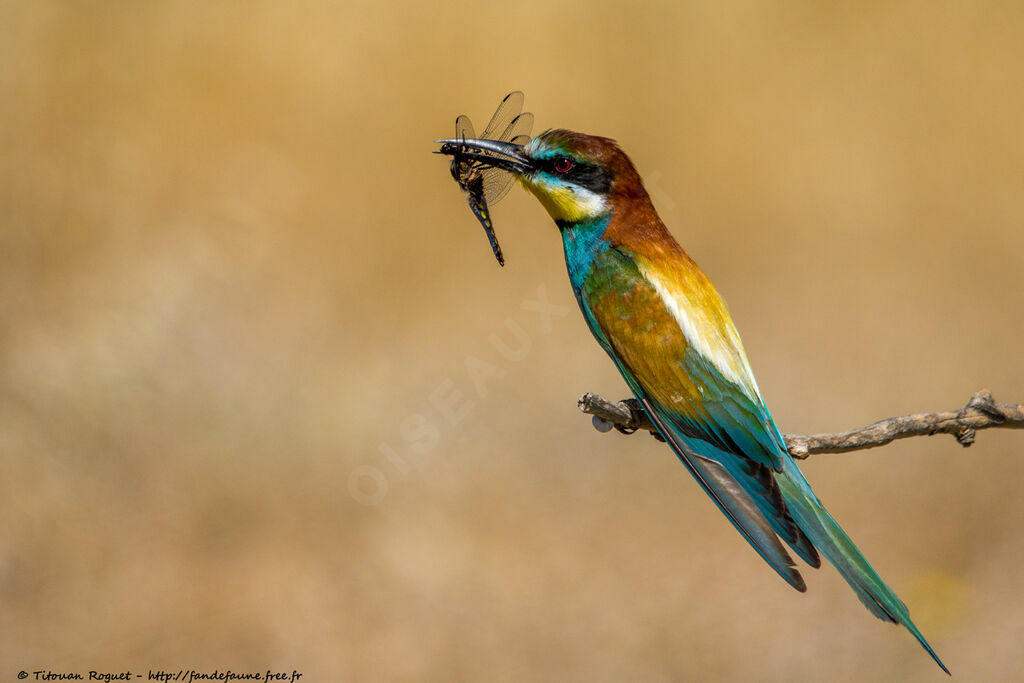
x=981, y=412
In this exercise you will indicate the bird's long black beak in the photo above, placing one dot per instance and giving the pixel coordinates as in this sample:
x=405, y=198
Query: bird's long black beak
x=504, y=155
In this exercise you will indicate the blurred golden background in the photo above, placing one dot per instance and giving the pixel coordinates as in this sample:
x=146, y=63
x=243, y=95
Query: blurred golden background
x=266, y=400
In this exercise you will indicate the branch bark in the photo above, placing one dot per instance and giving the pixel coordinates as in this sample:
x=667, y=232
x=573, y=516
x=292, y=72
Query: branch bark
x=981, y=412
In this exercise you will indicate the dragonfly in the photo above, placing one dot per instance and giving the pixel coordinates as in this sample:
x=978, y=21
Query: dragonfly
x=483, y=184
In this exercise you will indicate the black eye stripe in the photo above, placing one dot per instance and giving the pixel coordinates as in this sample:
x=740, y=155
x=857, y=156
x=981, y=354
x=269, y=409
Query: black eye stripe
x=589, y=176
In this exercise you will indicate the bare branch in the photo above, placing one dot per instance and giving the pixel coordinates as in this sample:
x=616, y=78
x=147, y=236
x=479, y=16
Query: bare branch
x=981, y=412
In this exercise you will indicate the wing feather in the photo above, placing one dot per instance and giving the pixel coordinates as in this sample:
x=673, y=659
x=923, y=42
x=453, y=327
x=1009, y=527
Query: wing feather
x=707, y=419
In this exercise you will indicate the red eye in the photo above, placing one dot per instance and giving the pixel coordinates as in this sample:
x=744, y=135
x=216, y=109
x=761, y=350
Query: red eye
x=563, y=164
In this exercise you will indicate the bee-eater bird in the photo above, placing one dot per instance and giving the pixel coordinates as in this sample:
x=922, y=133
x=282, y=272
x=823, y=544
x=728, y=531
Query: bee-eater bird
x=670, y=335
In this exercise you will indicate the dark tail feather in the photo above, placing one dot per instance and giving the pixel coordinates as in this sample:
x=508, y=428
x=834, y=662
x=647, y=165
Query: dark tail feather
x=733, y=501
x=836, y=546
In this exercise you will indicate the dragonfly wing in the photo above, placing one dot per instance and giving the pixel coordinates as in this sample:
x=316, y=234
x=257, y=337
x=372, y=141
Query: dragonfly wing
x=503, y=115
x=464, y=128
x=460, y=166
x=496, y=183
x=519, y=126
